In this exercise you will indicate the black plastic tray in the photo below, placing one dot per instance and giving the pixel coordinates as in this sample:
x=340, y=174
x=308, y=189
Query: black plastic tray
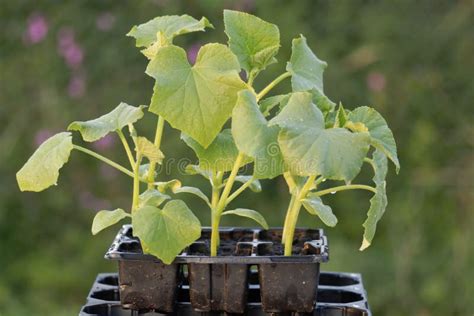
x=340, y=294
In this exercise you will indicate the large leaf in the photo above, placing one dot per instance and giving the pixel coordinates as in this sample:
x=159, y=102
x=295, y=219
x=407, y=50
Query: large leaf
x=192, y=190
x=310, y=149
x=120, y=117
x=380, y=133
x=42, y=169
x=149, y=150
x=169, y=26
x=378, y=202
x=315, y=206
x=166, y=232
x=253, y=40
x=219, y=156
x=305, y=68
x=197, y=99
x=244, y=212
x=255, y=138
x=104, y=219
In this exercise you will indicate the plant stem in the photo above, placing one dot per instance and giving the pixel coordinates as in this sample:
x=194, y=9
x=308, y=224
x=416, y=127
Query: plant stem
x=240, y=190
x=103, y=159
x=136, y=183
x=287, y=217
x=127, y=147
x=158, y=135
x=294, y=211
x=215, y=232
x=346, y=187
x=272, y=84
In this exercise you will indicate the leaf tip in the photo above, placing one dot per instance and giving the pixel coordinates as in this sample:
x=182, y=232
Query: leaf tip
x=365, y=245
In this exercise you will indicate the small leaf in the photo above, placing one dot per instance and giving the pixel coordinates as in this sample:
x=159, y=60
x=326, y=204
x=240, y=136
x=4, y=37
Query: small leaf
x=255, y=138
x=42, y=169
x=254, y=41
x=143, y=171
x=323, y=102
x=315, y=206
x=256, y=216
x=255, y=185
x=310, y=149
x=118, y=118
x=169, y=26
x=380, y=133
x=269, y=103
x=378, y=202
x=193, y=190
x=166, y=232
x=219, y=156
x=104, y=219
x=149, y=150
x=168, y=185
x=341, y=117
x=152, y=197
x=193, y=170
x=196, y=99
x=306, y=69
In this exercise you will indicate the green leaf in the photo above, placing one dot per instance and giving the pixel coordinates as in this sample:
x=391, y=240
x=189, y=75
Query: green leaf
x=104, y=219
x=169, y=26
x=152, y=197
x=168, y=185
x=118, y=118
x=306, y=69
x=341, y=117
x=310, y=149
x=193, y=170
x=255, y=138
x=255, y=185
x=192, y=190
x=268, y=104
x=315, y=206
x=42, y=169
x=219, y=156
x=143, y=171
x=322, y=102
x=378, y=202
x=197, y=99
x=149, y=150
x=380, y=133
x=256, y=216
x=253, y=40
x=165, y=232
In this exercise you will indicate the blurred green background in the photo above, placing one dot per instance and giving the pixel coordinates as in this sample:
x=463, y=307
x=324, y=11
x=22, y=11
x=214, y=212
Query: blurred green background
x=412, y=61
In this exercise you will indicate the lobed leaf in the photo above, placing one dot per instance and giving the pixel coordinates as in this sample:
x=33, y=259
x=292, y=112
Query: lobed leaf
x=254, y=41
x=315, y=206
x=380, y=133
x=310, y=149
x=118, y=118
x=149, y=150
x=219, y=156
x=378, y=202
x=169, y=26
x=256, y=216
x=255, y=138
x=165, y=232
x=42, y=169
x=104, y=219
x=196, y=99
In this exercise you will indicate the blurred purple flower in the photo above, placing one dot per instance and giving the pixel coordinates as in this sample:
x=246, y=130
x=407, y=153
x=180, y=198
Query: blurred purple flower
x=376, y=81
x=37, y=28
x=105, y=142
x=105, y=21
x=77, y=86
x=193, y=52
x=89, y=201
x=69, y=49
x=41, y=136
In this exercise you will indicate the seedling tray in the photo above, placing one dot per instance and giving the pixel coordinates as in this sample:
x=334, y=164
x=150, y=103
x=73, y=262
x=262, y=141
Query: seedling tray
x=221, y=283
x=340, y=294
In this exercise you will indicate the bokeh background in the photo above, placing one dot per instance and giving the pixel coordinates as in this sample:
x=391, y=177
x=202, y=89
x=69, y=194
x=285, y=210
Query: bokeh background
x=412, y=61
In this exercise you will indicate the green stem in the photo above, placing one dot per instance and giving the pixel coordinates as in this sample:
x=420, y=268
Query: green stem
x=215, y=232
x=158, y=136
x=136, y=183
x=272, y=84
x=127, y=147
x=346, y=187
x=103, y=159
x=240, y=190
x=291, y=225
x=287, y=217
